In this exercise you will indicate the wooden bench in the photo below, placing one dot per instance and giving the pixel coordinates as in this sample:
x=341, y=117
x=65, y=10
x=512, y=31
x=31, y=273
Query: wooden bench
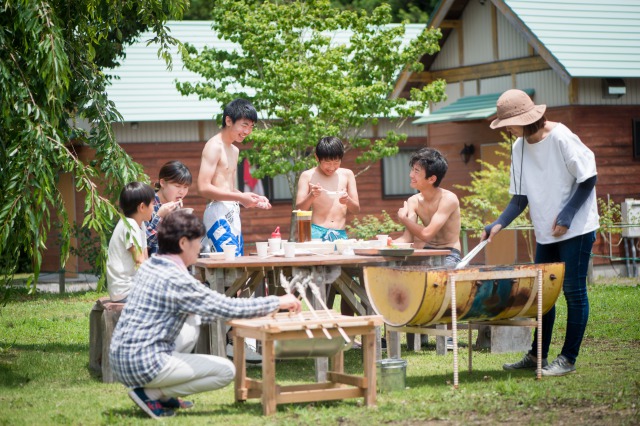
x=102, y=321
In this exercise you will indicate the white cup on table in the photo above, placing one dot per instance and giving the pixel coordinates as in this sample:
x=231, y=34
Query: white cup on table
x=289, y=248
x=262, y=248
x=382, y=240
x=229, y=252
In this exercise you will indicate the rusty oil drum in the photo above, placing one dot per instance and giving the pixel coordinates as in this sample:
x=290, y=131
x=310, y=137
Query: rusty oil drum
x=416, y=296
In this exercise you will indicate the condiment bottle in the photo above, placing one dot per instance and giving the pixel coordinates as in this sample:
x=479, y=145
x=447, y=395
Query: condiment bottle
x=275, y=235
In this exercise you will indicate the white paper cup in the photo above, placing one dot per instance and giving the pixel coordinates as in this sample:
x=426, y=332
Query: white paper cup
x=289, y=249
x=274, y=244
x=262, y=248
x=382, y=240
x=229, y=252
x=341, y=245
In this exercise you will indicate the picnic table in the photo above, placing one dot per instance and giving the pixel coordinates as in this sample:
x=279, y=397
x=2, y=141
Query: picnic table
x=340, y=273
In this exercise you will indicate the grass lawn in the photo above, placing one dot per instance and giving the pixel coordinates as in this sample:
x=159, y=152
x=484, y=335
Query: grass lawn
x=44, y=377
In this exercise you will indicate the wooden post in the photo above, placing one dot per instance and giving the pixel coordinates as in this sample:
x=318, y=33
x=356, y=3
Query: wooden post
x=241, y=368
x=454, y=320
x=268, y=377
x=368, y=347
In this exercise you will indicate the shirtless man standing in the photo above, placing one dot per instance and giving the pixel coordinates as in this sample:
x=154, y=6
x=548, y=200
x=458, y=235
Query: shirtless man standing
x=437, y=208
x=216, y=180
x=329, y=190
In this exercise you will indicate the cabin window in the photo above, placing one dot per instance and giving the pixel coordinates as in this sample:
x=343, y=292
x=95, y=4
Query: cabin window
x=395, y=175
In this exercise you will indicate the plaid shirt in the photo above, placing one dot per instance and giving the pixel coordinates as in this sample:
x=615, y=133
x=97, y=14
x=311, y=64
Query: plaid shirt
x=152, y=228
x=162, y=297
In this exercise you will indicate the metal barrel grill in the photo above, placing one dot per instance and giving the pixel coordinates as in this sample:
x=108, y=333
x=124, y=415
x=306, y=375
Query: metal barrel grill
x=415, y=296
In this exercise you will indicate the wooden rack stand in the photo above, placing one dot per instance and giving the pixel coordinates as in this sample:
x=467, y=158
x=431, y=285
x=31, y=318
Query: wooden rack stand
x=283, y=327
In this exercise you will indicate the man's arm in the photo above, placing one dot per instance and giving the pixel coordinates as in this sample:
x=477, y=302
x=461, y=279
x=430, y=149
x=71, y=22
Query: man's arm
x=427, y=233
x=407, y=236
x=350, y=199
x=306, y=192
x=139, y=256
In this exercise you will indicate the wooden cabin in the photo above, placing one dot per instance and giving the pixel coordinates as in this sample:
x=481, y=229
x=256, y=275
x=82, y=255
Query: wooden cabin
x=582, y=61
x=580, y=58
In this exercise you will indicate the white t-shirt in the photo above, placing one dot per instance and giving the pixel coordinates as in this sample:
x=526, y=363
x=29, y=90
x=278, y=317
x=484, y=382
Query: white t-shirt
x=549, y=176
x=121, y=266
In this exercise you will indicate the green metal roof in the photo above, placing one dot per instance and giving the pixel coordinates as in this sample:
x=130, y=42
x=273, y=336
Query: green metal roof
x=587, y=38
x=466, y=109
x=145, y=90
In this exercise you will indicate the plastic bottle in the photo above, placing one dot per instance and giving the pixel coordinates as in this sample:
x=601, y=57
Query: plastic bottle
x=276, y=239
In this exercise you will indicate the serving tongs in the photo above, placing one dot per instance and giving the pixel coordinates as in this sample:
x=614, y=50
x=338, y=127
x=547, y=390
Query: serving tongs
x=464, y=262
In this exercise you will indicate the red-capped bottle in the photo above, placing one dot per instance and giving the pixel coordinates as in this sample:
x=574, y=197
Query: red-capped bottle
x=276, y=239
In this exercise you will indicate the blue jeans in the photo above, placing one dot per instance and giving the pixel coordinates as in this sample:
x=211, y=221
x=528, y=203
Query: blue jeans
x=575, y=254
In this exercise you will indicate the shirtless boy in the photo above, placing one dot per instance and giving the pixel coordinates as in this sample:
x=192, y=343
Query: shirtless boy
x=329, y=191
x=437, y=208
x=216, y=179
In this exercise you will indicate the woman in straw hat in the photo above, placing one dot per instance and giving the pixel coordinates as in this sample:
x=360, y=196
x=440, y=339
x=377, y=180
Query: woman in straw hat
x=553, y=173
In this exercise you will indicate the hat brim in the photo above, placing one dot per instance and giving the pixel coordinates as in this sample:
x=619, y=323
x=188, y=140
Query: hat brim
x=525, y=119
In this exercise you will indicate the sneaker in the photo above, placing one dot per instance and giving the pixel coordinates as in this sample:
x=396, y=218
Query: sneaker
x=176, y=403
x=153, y=408
x=528, y=362
x=559, y=367
x=250, y=354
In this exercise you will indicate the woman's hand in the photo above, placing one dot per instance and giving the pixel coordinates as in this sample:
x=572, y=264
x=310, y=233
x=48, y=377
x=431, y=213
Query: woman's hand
x=290, y=303
x=558, y=230
x=167, y=208
x=496, y=228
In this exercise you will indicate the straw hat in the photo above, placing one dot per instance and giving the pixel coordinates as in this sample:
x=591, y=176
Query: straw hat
x=515, y=108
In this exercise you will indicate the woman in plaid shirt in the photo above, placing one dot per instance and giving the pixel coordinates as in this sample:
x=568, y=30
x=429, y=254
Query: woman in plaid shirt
x=164, y=294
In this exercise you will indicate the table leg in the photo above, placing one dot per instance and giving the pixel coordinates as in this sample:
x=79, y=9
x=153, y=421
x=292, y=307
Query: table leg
x=393, y=344
x=337, y=362
x=268, y=377
x=322, y=363
x=241, y=368
x=368, y=346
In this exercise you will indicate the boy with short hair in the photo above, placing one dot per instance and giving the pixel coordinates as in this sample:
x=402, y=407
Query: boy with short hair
x=438, y=209
x=128, y=243
x=329, y=191
x=217, y=176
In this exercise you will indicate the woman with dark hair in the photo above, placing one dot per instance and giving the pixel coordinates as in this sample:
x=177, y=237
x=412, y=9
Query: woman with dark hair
x=173, y=184
x=143, y=350
x=553, y=173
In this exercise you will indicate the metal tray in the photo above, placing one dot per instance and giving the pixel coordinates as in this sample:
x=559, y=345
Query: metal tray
x=396, y=252
x=384, y=252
